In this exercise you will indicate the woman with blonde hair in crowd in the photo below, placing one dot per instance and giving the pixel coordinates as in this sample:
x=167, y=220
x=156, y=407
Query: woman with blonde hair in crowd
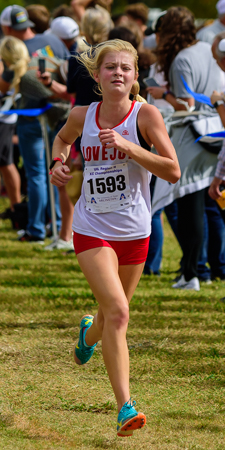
x=95, y=27
x=79, y=6
x=23, y=72
x=112, y=217
x=96, y=24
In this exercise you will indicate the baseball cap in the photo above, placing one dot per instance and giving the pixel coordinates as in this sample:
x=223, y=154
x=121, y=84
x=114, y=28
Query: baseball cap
x=157, y=24
x=16, y=17
x=220, y=6
x=64, y=27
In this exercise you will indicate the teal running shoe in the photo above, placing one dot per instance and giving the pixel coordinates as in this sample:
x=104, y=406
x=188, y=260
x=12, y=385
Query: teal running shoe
x=83, y=353
x=129, y=419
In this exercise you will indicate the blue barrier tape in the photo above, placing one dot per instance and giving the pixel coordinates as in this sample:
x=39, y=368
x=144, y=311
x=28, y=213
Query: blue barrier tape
x=218, y=134
x=201, y=98
x=27, y=112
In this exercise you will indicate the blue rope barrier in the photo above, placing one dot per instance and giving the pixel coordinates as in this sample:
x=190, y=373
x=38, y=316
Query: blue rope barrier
x=27, y=112
x=218, y=134
x=201, y=98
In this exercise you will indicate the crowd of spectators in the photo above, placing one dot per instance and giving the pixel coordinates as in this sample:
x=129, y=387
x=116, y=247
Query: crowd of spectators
x=169, y=48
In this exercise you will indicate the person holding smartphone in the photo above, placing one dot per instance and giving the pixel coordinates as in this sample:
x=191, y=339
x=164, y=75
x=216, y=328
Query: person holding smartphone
x=33, y=95
x=15, y=22
x=179, y=54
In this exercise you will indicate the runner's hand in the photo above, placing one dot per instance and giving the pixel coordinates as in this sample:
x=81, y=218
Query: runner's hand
x=110, y=138
x=60, y=176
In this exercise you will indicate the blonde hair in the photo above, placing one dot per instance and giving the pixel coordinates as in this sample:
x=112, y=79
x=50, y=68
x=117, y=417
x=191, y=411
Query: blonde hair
x=96, y=24
x=15, y=54
x=93, y=59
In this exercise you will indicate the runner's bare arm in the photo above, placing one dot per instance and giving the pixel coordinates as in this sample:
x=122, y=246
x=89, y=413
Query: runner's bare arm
x=69, y=133
x=165, y=164
x=62, y=144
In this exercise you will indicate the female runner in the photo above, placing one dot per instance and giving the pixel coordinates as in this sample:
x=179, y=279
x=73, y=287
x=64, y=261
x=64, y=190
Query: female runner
x=112, y=217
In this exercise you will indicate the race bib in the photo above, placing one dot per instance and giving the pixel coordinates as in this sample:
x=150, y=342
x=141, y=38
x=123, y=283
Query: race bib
x=107, y=188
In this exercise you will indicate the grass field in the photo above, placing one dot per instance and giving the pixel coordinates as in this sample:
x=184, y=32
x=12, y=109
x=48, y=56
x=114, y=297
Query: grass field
x=177, y=354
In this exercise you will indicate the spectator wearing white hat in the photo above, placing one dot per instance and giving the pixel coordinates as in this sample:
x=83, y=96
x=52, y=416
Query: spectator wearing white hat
x=66, y=29
x=208, y=33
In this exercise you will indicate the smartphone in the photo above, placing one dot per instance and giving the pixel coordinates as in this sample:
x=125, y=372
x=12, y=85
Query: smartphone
x=41, y=63
x=151, y=82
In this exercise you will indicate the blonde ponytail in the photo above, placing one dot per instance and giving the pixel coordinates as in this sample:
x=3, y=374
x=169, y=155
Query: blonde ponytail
x=135, y=92
x=19, y=68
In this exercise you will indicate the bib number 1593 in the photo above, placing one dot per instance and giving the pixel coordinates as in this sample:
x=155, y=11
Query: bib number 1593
x=107, y=188
x=108, y=184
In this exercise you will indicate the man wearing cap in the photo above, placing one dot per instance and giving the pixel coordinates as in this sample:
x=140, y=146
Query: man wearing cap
x=208, y=33
x=15, y=22
x=66, y=29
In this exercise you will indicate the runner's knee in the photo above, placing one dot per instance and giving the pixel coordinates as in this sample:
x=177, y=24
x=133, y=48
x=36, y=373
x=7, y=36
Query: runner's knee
x=118, y=316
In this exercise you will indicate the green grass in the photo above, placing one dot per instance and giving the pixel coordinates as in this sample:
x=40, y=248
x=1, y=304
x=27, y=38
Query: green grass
x=177, y=354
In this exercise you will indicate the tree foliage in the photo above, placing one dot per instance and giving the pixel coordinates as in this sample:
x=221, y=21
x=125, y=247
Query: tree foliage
x=4, y=3
x=201, y=8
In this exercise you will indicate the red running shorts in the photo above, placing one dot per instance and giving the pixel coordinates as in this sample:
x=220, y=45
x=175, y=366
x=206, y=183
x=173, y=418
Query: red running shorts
x=128, y=252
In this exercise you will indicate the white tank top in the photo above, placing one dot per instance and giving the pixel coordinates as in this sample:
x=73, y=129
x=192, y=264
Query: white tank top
x=115, y=198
